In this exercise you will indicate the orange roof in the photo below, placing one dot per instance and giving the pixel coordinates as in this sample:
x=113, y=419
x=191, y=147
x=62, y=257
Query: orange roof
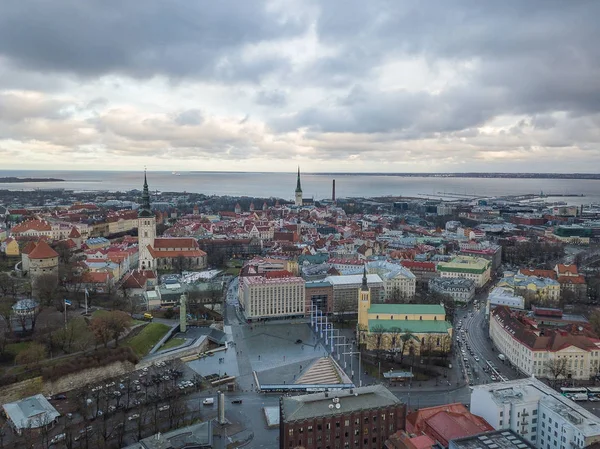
x=566, y=269
x=175, y=242
x=539, y=273
x=35, y=225
x=571, y=279
x=96, y=277
x=446, y=422
x=42, y=251
x=74, y=233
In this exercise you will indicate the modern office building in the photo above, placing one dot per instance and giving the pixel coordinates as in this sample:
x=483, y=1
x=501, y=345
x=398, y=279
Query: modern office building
x=531, y=409
x=357, y=418
x=272, y=295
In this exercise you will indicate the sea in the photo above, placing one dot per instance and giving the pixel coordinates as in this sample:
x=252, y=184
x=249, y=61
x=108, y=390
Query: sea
x=314, y=185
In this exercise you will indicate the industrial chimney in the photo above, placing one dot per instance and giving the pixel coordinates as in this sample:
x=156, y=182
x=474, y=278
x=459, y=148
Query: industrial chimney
x=333, y=192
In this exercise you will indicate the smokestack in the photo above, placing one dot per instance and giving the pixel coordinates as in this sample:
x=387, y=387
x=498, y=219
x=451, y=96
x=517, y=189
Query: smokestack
x=333, y=192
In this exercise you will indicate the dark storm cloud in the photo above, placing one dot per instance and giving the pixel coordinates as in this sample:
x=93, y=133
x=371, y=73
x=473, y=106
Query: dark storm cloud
x=531, y=57
x=178, y=38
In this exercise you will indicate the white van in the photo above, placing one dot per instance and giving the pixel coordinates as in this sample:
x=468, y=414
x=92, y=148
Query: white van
x=208, y=401
x=58, y=438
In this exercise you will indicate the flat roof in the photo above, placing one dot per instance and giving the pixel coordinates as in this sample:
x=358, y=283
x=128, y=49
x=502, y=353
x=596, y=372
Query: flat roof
x=297, y=408
x=499, y=439
x=353, y=279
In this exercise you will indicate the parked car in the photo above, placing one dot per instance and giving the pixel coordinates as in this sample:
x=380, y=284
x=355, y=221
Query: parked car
x=236, y=401
x=60, y=397
x=58, y=438
x=164, y=408
x=134, y=416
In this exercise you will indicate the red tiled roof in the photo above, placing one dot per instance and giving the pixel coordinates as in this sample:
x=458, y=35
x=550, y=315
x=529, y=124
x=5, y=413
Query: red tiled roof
x=74, y=233
x=35, y=225
x=29, y=247
x=446, y=422
x=566, y=269
x=42, y=251
x=571, y=279
x=539, y=273
x=96, y=277
x=176, y=253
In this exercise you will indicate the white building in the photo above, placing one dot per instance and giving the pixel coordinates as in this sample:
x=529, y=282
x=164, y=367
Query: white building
x=501, y=296
x=398, y=281
x=272, y=297
x=535, y=411
x=30, y=413
x=534, y=350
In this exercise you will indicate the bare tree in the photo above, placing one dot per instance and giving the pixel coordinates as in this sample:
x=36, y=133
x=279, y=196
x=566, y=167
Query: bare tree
x=376, y=336
x=557, y=367
x=46, y=288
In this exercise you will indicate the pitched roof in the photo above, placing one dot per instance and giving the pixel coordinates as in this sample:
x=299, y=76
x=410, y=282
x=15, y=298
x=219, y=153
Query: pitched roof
x=30, y=246
x=36, y=225
x=539, y=273
x=571, y=279
x=74, y=234
x=408, y=309
x=42, y=251
x=96, y=277
x=566, y=269
x=174, y=242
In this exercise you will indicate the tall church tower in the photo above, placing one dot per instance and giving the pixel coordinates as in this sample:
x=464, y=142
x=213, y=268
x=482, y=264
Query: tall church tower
x=298, y=190
x=364, y=303
x=146, y=230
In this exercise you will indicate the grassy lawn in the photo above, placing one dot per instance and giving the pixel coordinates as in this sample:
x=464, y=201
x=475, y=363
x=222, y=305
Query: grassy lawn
x=147, y=338
x=100, y=312
x=172, y=343
x=15, y=348
x=233, y=271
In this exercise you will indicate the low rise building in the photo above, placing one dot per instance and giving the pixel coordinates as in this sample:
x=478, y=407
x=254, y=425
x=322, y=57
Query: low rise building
x=475, y=268
x=345, y=288
x=362, y=417
x=540, y=288
x=570, y=351
x=461, y=290
x=543, y=417
x=398, y=281
x=33, y=412
x=446, y=422
x=423, y=271
x=502, y=296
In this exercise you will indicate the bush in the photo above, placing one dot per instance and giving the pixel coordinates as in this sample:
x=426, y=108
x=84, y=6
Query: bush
x=169, y=314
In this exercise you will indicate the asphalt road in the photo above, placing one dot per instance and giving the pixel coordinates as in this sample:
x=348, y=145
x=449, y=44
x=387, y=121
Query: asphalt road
x=476, y=335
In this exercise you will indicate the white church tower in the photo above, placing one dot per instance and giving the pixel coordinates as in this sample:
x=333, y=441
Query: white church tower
x=146, y=230
x=298, y=201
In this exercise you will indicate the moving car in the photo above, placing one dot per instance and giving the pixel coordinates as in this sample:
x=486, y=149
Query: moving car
x=208, y=401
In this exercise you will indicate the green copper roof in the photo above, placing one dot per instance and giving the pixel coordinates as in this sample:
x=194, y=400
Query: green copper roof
x=407, y=309
x=415, y=327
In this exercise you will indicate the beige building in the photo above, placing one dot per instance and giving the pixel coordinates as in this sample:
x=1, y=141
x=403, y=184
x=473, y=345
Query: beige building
x=398, y=281
x=272, y=295
x=541, y=288
x=475, y=268
x=569, y=352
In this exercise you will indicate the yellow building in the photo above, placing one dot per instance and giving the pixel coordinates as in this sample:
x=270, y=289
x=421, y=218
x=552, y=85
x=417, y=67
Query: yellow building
x=402, y=327
x=543, y=289
x=11, y=247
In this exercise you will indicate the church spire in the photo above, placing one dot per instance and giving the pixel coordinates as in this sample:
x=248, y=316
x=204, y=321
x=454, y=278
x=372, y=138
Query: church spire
x=145, y=209
x=298, y=188
x=364, y=286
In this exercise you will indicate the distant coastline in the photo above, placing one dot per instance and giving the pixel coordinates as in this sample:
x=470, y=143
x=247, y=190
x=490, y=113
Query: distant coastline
x=14, y=180
x=594, y=176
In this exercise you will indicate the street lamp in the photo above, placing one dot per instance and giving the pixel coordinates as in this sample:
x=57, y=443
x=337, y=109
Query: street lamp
x=359, y=365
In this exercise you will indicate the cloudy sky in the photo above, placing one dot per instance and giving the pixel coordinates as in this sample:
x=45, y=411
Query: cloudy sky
x=330, y=85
